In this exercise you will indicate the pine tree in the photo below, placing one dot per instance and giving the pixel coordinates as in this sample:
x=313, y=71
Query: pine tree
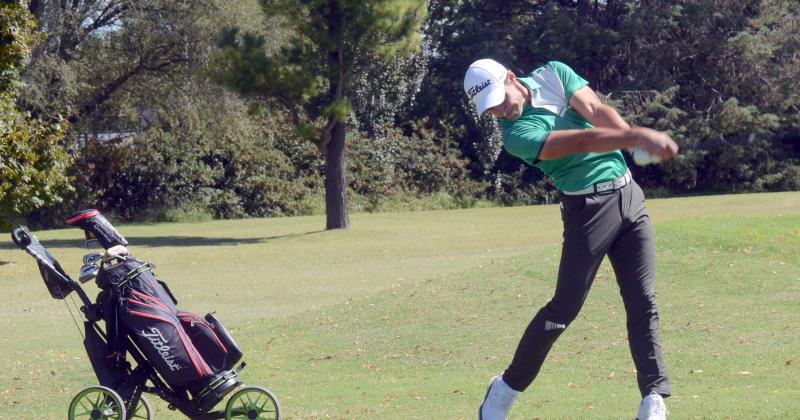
x=313, y=73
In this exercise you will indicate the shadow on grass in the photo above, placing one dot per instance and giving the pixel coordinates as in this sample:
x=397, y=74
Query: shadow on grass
x=176, y=241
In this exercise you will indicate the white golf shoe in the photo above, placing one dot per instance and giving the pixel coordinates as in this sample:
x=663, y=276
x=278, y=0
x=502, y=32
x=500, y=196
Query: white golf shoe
x=498, y=400
x=652, y=408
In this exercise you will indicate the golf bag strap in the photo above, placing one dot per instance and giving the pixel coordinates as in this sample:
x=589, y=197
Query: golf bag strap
x=114, y=351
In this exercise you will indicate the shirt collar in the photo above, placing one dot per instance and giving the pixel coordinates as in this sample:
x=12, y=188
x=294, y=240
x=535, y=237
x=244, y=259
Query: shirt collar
x=530, y=83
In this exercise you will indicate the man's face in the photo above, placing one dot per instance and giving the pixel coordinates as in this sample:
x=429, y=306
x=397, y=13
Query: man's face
x=511, y=107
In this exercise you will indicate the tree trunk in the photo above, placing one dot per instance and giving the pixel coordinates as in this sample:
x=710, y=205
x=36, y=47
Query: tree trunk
x=335, y=191
x=333, y=140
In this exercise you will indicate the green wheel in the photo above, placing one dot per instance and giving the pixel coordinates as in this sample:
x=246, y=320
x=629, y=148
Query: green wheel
x=97, y=402
x=253, y=402
x=143, y=410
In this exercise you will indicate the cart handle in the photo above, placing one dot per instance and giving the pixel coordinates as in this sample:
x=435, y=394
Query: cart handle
x=20, y=237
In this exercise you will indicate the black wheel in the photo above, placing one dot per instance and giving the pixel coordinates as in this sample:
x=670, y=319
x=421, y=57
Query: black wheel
x=143, y=410
x=253, y=402
x=97, y=403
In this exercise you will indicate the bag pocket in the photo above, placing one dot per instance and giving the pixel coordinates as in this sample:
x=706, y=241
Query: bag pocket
x=212, y=340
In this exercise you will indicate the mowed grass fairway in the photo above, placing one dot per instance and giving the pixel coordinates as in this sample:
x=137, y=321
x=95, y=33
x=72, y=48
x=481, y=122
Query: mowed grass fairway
x=408, y=315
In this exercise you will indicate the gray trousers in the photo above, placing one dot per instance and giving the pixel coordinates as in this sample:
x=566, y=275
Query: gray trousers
x=613, y=223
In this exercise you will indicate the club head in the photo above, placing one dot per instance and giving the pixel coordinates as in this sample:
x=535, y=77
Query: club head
x=88, y=272
x=92, y=258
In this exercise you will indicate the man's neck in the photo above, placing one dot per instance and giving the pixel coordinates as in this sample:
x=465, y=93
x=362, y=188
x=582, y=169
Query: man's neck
x=523, y=88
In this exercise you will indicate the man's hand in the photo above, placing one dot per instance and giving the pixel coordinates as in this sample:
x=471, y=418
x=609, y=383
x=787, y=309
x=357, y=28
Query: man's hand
x=655, y=143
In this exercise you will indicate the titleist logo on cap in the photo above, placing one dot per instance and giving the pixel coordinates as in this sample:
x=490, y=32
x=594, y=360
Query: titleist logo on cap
x=477, y=88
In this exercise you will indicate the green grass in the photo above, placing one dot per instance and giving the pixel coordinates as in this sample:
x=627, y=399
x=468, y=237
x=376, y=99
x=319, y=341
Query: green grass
x=408, y=315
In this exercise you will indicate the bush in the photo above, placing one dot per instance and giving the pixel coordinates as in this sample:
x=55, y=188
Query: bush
x=227, y=170
x=201, y=163
x=787, y=179
x=420, y=165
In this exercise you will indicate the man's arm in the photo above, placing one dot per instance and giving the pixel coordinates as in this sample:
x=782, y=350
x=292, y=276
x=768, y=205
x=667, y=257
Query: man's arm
x=611, y=132
x=561, y=143
x=586, y=102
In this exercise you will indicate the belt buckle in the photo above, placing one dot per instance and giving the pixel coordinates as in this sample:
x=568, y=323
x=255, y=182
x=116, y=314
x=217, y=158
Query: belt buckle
x=604, y=186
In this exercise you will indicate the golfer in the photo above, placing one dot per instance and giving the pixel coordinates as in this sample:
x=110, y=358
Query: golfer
x=553, y=120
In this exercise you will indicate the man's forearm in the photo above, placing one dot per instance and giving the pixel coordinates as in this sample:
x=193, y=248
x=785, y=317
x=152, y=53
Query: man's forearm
x=600, y=140
x=597, y=140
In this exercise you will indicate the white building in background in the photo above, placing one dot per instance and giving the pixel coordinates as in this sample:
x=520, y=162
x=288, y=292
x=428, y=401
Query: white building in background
x=117, y=137
x=145, y=120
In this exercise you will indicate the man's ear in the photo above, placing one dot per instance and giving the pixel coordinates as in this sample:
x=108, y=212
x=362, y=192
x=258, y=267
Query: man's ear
x=511, y=77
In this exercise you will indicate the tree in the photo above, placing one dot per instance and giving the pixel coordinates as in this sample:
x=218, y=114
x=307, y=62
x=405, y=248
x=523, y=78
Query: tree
x=328, y=37
x=94, y=50
x=190, y=149
x=33, y=157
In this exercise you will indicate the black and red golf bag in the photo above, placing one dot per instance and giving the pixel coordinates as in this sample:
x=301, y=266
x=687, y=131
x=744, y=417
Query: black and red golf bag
x=185, y=348
x=147, y=345
x=191, y=352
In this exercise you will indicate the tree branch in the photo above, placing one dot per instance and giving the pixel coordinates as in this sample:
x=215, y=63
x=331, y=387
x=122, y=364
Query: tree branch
x=110, y=88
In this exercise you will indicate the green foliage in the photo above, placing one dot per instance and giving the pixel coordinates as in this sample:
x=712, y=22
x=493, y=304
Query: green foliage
x=33, y=153
x=351, y=29
x=735, y=119
x=313, y=71
x=420, y=165
x=523, y=186
x=226, y=166
x=33, y=162
x=17, y=39
x=383, y=90
x=388, y=27
x=244, y=67
x=338, y=110
x=786, y=179
x=98, y=55
x=203, y=160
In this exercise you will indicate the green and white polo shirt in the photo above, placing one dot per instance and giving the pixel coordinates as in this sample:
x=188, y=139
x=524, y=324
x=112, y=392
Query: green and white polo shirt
x=552, y=86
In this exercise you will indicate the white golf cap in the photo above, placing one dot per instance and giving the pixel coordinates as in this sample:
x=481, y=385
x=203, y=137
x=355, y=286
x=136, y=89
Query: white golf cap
x=483, y=83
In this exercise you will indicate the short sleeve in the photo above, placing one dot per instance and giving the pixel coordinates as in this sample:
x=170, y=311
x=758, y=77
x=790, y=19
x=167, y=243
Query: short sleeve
x=569, y=79
x=525, y=140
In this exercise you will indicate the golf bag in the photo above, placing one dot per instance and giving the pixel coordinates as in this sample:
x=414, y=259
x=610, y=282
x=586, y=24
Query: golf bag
x=185, y=348
x=147, y=345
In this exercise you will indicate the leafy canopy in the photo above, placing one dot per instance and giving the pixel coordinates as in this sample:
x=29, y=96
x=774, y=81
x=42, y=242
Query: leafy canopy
x=325, y=40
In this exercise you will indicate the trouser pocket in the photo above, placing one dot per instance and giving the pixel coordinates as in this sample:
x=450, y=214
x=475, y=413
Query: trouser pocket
x=571, y=206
